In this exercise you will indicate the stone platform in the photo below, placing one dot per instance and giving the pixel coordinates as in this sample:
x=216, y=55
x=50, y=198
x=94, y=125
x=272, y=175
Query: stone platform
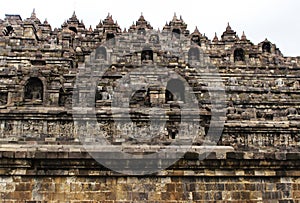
x=69, y=174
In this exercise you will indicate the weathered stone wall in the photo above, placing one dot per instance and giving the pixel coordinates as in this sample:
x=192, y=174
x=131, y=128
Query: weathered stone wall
x=149, y=189
x=43, y=160
x=261, y=85
x=28, y=175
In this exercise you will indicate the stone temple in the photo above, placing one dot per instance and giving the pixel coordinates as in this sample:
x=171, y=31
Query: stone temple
x=245, y=129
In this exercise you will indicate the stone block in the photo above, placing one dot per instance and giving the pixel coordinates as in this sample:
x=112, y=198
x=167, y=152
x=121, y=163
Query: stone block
x=191, y=156
x=40, y=155
x=293, y=156
x=8, y=154
x=22, y=154
x=235, y=155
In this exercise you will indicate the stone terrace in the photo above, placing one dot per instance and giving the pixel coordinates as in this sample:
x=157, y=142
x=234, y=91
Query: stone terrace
x=41, y=145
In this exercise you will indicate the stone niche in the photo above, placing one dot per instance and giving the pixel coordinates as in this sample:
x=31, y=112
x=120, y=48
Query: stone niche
x=34, y=91
x=3, y=98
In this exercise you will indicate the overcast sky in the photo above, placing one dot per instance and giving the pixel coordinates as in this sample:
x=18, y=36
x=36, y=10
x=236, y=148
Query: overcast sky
x=277, y=20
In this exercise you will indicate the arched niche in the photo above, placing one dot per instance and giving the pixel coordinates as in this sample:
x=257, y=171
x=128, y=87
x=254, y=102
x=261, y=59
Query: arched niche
x=154, y=39
x=172, y=132
x=101, y=53
x=239, y=55
x=176, y=33
x=266, y=47
x=110, y=37
x=3, y=98
x=98, y=96
x=73, y=29
x=147, y=54
x=175, y=91
x=196, y=40
x=102, y=94
x=193, y=54
x=141, y=31
x=34, y=90
x=65, y=98
x=141, y=97
x=8, y=30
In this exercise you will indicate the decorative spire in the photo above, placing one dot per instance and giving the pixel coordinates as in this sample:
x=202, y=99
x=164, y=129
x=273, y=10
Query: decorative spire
x=65, y=24
x=229, y=34
x=141, y=17
x=109, y=20
x=91, y=29
x=228, y=28
x=196, y=32
x=243, y=38
x=46, y=21
x=133, y=26
x=100, y=25
x=33, y=18
x=215, y=38
x=174, y=17
x=33, y=15
x=74, y=15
